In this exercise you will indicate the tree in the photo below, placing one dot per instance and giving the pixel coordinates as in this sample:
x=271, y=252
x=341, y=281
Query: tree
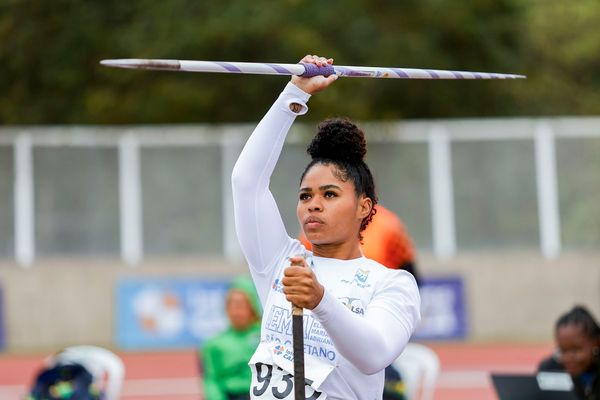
x=49, y=71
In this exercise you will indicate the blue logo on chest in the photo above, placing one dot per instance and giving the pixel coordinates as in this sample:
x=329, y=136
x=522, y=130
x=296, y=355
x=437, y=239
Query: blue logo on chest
x=360, y=278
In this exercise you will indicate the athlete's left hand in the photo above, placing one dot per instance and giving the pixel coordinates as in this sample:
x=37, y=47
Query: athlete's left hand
x=300, y=284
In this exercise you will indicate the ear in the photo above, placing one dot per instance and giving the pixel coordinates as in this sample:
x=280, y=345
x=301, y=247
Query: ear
x=365, y=205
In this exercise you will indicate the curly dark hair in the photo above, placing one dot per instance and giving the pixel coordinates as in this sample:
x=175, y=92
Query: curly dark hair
x=340, y=142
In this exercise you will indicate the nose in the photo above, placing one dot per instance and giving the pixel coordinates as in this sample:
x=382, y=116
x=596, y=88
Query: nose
x=315, y=204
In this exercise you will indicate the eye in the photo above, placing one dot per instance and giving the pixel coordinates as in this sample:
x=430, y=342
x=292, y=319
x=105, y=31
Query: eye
x=330, y=194
x=304, y=196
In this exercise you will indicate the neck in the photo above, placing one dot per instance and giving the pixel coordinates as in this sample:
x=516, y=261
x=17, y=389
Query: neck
x=341, y=251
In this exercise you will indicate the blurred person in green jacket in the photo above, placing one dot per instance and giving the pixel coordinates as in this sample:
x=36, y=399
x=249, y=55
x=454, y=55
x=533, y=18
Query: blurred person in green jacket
x=226, y=374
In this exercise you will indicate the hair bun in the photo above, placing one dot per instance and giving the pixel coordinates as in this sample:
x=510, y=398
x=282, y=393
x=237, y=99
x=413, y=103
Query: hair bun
x=338, y=139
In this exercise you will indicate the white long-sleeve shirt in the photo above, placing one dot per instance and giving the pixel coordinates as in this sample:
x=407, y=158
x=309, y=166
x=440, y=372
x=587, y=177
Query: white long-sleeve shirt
x=367, y=314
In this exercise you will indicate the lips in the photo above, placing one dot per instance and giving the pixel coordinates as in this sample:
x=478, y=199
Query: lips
x=313, y=222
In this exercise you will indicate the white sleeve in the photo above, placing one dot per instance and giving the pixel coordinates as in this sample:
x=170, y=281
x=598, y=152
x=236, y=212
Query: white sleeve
x=258, y=223
x=379, y=337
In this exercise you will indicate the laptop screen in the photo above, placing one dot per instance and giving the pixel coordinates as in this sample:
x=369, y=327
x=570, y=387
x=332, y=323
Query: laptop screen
x=541, y=386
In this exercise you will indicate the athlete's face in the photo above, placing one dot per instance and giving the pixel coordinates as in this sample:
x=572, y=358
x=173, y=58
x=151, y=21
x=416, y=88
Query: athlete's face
x=328, y=209
x=239, y=310
x=576, y=348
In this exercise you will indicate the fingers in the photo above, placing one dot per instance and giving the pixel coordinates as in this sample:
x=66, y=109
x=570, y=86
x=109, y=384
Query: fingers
x=298, y=261
x=330, y=79
x=319, y=61
x=296, y=272
x=316, y=83
x=322, y=83
x=305, y=298
x=297, y=280
x=301, y=287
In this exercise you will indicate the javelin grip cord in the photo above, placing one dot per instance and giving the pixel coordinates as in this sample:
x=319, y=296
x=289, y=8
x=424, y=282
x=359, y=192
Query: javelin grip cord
x=311, y=70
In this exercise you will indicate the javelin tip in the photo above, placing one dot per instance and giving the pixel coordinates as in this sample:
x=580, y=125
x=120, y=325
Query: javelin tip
x=138, y=63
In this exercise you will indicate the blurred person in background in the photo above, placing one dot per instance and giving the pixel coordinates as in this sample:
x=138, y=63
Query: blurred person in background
x=80, y=373
x=577, y=336
x=226, y=374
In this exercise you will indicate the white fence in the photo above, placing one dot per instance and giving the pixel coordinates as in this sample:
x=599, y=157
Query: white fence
x=142, y=192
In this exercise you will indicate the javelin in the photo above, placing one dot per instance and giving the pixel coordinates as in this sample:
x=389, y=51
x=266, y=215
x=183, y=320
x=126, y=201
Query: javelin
x=301, y=69
x=298, y=348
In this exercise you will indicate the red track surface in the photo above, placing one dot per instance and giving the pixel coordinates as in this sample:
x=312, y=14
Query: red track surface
x=174, y=375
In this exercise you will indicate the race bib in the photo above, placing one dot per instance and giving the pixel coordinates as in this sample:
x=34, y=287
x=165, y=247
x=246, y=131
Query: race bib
x=273, y=383
x=272, y=367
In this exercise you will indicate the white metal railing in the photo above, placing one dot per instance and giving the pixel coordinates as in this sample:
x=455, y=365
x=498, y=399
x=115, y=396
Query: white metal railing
x=130, y=199
x=547, y=190
x=438, y=135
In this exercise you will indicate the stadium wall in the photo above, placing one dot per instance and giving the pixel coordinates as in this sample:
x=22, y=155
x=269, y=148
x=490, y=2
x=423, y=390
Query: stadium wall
x=510, y=296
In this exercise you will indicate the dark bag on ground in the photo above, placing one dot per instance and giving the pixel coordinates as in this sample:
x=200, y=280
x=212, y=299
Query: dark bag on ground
x=65, y=382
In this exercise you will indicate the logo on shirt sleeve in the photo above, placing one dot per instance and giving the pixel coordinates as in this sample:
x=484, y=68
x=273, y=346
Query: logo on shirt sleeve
x=353, y=304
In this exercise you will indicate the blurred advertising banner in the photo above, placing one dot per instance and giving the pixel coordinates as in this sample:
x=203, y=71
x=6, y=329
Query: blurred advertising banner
x=443, y=311
x=169, y=313
x=177, y=313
